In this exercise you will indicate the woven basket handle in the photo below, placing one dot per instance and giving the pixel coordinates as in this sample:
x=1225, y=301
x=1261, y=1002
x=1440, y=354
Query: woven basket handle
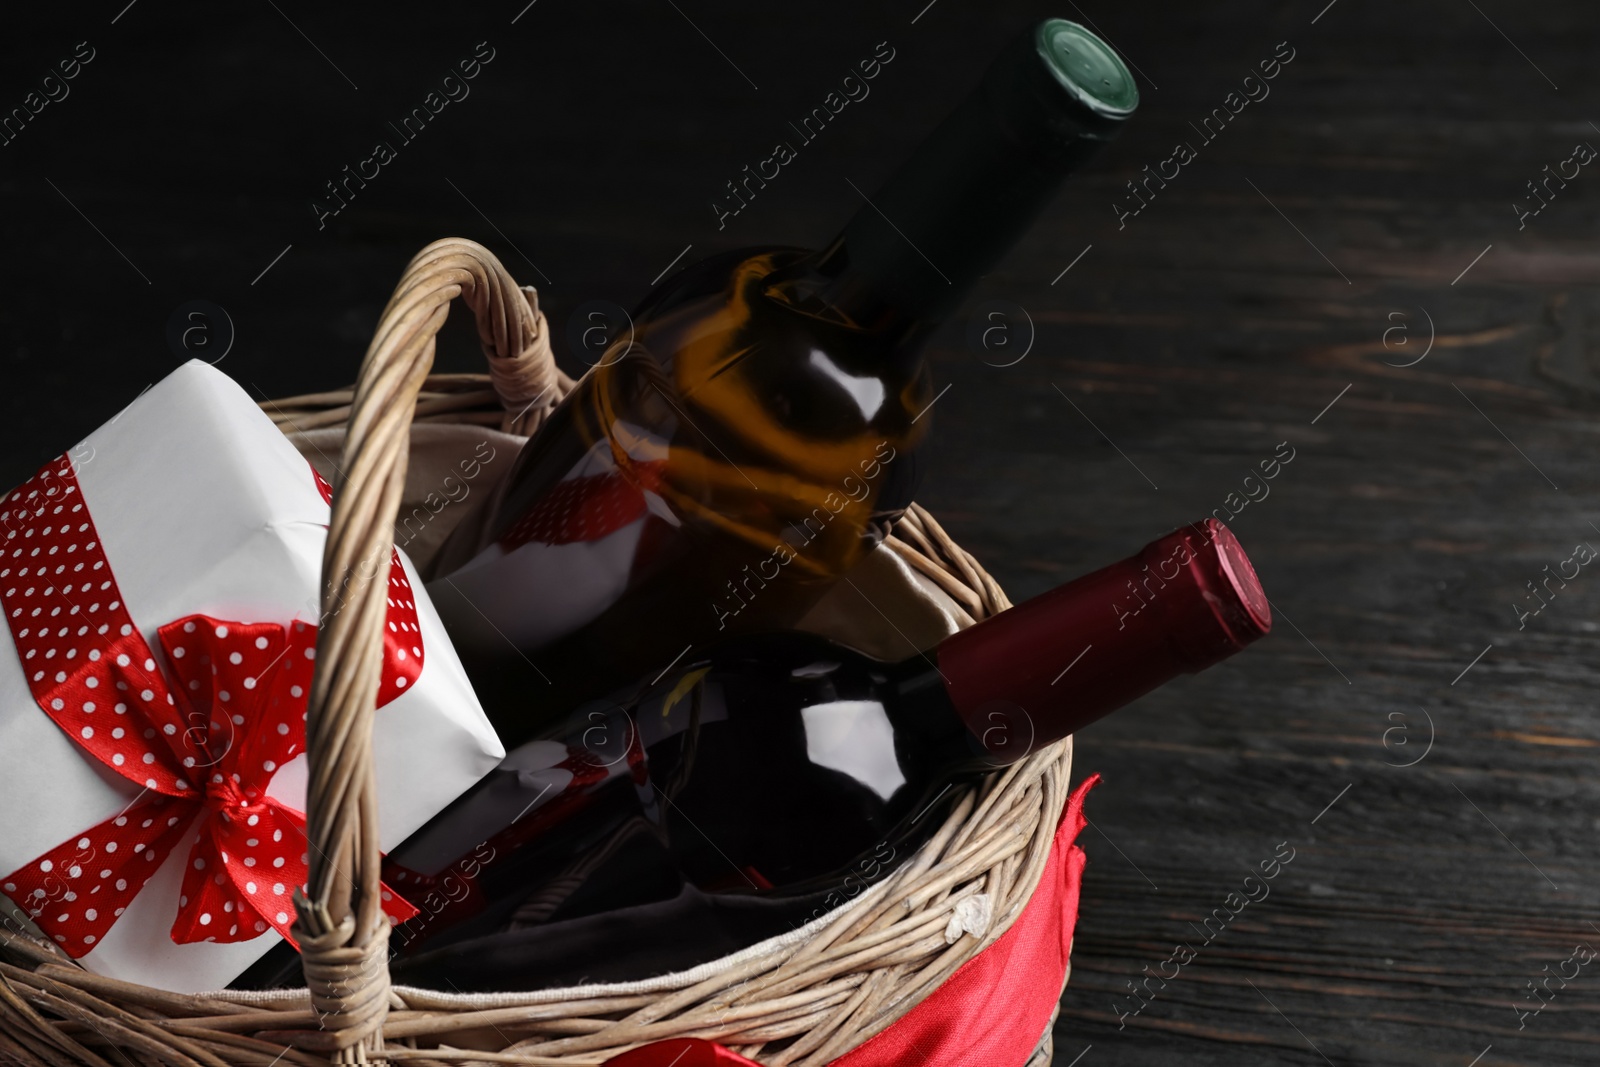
x=343, y=932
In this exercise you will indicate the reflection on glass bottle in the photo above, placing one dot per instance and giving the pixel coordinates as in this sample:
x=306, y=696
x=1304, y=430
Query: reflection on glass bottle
x=755, y=431
x=713, y=473
x=780, y=763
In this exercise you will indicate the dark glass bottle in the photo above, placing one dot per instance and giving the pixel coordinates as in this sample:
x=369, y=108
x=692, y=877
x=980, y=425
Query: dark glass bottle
x=784, y=765
x=755, y=431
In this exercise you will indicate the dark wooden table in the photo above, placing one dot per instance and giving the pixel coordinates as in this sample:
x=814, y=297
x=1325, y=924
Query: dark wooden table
x=1279, y=294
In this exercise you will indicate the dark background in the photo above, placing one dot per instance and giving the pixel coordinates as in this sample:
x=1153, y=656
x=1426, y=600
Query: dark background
x=1252, y=292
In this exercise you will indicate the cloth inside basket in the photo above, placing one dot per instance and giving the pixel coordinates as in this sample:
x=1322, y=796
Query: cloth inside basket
x=989, y=1013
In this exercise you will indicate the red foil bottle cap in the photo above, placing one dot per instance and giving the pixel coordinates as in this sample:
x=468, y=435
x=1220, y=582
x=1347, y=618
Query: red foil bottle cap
x=1054, y=664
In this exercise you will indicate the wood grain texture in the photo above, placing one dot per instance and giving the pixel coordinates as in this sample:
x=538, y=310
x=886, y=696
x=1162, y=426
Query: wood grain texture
x=1197, y=338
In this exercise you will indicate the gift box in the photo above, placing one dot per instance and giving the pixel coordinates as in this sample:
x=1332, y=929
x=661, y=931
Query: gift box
x=160, y=582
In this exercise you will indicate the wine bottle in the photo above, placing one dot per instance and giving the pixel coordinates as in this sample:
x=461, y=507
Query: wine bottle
x=787, y=765
x=755, y=430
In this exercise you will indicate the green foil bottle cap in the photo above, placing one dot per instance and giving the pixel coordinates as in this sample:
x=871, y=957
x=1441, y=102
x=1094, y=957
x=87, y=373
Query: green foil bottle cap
x=1087, y=68
x=1057, y=84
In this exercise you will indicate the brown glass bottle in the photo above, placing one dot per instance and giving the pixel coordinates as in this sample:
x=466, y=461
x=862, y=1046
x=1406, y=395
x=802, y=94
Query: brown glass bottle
x=755, y=431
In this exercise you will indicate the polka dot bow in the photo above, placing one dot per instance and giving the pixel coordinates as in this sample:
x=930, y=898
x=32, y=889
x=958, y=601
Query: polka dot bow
x=203, y=745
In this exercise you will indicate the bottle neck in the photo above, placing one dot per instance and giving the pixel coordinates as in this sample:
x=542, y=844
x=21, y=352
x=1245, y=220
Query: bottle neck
x=917, y=245
x=1054, y=664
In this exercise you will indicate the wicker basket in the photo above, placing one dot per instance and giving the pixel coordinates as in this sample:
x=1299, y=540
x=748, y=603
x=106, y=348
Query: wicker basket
x=803, y=999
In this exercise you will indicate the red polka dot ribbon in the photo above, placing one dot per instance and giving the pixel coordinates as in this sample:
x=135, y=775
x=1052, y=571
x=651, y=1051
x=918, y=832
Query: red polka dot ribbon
x=202, y=737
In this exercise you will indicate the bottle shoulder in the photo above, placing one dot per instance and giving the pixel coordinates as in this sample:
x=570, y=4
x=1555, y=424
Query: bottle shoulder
x=711, y=277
